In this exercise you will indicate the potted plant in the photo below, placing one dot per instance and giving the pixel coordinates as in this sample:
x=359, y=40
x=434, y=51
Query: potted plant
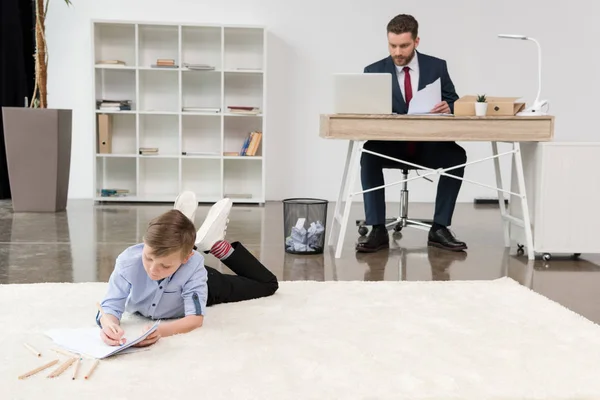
x=481, y=105
x=38, y=139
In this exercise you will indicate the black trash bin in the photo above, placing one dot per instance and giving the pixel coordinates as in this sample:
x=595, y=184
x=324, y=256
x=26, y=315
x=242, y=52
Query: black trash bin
x=304, y=224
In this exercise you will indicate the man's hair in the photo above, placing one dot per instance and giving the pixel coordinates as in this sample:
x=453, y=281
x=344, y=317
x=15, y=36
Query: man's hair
x=403, y=23
x=171, y=232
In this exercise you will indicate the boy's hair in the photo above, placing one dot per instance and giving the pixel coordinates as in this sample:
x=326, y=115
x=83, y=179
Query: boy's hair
x=404, y=23
x=170, y=232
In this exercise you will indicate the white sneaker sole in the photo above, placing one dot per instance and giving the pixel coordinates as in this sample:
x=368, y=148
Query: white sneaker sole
x=214, y=226
x=187, y=203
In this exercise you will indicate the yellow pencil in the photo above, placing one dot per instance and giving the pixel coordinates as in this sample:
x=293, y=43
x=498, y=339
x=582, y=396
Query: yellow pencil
x=89, y=374
x=38, y=369
x=34, y=351
x=62, y=368
x=76, y=368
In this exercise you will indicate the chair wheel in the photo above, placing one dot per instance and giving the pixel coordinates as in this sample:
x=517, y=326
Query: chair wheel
x=397, y=228
x=363, y=230
x=546, y=256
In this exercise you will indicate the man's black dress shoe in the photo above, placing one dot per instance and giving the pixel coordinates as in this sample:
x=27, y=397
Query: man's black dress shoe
x=444, y=239
x=378, y=239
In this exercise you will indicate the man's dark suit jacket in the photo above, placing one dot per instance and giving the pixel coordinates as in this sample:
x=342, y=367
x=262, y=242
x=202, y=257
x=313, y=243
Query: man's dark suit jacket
x=430, y=69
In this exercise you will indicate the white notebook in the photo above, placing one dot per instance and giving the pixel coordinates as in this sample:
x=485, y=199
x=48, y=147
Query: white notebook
x=87, y=341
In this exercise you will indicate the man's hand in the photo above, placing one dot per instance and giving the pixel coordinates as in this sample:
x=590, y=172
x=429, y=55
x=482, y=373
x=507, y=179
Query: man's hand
x=112, y=334
x=150, y=339
x=441, y=108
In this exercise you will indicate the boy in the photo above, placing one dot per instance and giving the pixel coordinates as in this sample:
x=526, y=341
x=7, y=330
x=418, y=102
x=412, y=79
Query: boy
x=165, y=277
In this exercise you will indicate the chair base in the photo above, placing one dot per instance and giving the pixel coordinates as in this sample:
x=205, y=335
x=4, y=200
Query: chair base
x=402, y=220
x=396, y=224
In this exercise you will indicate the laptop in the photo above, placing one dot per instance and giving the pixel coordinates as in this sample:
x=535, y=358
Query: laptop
x=362, y=93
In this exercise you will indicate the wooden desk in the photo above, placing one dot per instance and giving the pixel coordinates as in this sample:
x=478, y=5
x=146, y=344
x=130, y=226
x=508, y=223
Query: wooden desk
x=359, y=128
x=437, y=128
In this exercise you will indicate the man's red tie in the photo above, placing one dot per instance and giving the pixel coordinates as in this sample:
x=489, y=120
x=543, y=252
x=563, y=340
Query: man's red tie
x=408, y=95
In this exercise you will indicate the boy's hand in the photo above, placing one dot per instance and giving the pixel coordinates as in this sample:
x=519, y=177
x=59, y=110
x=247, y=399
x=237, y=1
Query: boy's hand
x=150, y=339
x=112, y=334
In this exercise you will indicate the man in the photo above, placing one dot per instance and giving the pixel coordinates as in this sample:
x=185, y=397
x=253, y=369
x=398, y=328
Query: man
x=412, y=71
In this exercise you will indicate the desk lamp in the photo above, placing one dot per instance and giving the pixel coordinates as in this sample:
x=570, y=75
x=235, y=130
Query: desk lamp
x=536, y=107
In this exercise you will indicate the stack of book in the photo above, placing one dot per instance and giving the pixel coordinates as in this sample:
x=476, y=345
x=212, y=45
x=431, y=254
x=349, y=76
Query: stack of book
x=149, y=151
x=165, y=63
x=113, y=105
x=251, y=143
x=244, y=110
x=199, y=67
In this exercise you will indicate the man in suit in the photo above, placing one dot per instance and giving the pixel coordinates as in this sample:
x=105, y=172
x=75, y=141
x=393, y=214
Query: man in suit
x=412, y=71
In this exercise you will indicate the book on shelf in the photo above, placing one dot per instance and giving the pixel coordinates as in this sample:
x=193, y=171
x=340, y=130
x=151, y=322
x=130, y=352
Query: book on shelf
x=111, y=62
x=113, y=105
x=114, y=192
x=148, y=151
x=202, y=109
x=251, y=144
x=244, y=110
x=199, y=153
x=199, y=67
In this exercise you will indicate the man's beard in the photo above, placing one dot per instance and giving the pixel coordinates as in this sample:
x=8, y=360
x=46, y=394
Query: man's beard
x=405, y=61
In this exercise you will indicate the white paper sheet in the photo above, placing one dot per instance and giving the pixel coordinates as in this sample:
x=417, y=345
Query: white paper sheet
x=87, y=341
x=425, y=99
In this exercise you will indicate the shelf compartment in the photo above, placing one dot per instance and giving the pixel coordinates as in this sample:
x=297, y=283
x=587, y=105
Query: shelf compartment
x=159, y=177
x=201, y=134
x=116, y=173
x=161, y=131
x=158, y=42
x=122, y=134
x=114, y=42
x=237, y=129
x=159, y=90
x=201, y=45
x=245, y=90
x=203, y=177
x=242, y=179
x=201, y=89
x=117, y=85
x=244, y=48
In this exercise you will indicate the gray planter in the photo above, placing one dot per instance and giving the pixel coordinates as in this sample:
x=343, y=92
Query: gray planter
x=38, y=153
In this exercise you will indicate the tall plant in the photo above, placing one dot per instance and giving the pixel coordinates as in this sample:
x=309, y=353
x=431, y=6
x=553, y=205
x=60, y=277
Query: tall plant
x=39, y=98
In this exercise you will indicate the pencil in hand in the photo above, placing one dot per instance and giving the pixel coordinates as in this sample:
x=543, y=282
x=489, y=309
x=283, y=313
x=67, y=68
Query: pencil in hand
x=111, y=326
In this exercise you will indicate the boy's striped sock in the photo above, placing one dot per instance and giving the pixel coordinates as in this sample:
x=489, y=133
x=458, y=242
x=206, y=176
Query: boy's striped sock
x=221, y=250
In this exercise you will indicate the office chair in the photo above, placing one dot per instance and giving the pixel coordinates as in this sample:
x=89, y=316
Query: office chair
x=402, y=220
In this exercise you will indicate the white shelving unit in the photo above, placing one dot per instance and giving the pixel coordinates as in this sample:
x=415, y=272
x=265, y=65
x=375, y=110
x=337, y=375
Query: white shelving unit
x=192, y=146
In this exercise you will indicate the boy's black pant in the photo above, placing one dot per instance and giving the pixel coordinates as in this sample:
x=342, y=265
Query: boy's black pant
x=252, y=279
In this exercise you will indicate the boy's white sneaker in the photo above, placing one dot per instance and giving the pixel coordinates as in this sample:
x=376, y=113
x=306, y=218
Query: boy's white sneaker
x=214, y=226
x=187, y=203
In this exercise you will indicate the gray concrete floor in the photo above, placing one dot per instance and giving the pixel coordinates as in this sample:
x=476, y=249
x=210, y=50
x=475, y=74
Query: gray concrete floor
x=81, y=244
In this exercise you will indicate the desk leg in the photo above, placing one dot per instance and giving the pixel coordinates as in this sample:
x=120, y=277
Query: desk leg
x=499, y=185
x=350, y=182
x=341, y=194
x=524, y=201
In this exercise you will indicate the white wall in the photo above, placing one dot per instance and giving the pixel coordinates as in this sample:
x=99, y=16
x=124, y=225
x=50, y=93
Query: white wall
x=312, y=39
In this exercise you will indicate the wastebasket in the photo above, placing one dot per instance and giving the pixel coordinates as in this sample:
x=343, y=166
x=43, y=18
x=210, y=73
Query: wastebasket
x=304, y=225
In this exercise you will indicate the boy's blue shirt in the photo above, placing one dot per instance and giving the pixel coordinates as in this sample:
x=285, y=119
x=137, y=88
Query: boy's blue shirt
x=130, y=288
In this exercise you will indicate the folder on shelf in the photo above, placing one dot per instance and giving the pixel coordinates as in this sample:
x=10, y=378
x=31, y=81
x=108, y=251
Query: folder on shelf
x=104, y=134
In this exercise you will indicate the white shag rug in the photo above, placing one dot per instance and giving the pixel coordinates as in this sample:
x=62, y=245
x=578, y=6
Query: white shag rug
x=322, y=340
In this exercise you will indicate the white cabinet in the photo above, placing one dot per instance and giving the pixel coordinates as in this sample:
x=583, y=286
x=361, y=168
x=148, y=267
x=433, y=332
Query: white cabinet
x=193, y=120
x=563, y=190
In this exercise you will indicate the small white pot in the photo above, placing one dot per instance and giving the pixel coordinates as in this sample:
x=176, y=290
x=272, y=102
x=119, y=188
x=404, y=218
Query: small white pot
x=481, y=109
